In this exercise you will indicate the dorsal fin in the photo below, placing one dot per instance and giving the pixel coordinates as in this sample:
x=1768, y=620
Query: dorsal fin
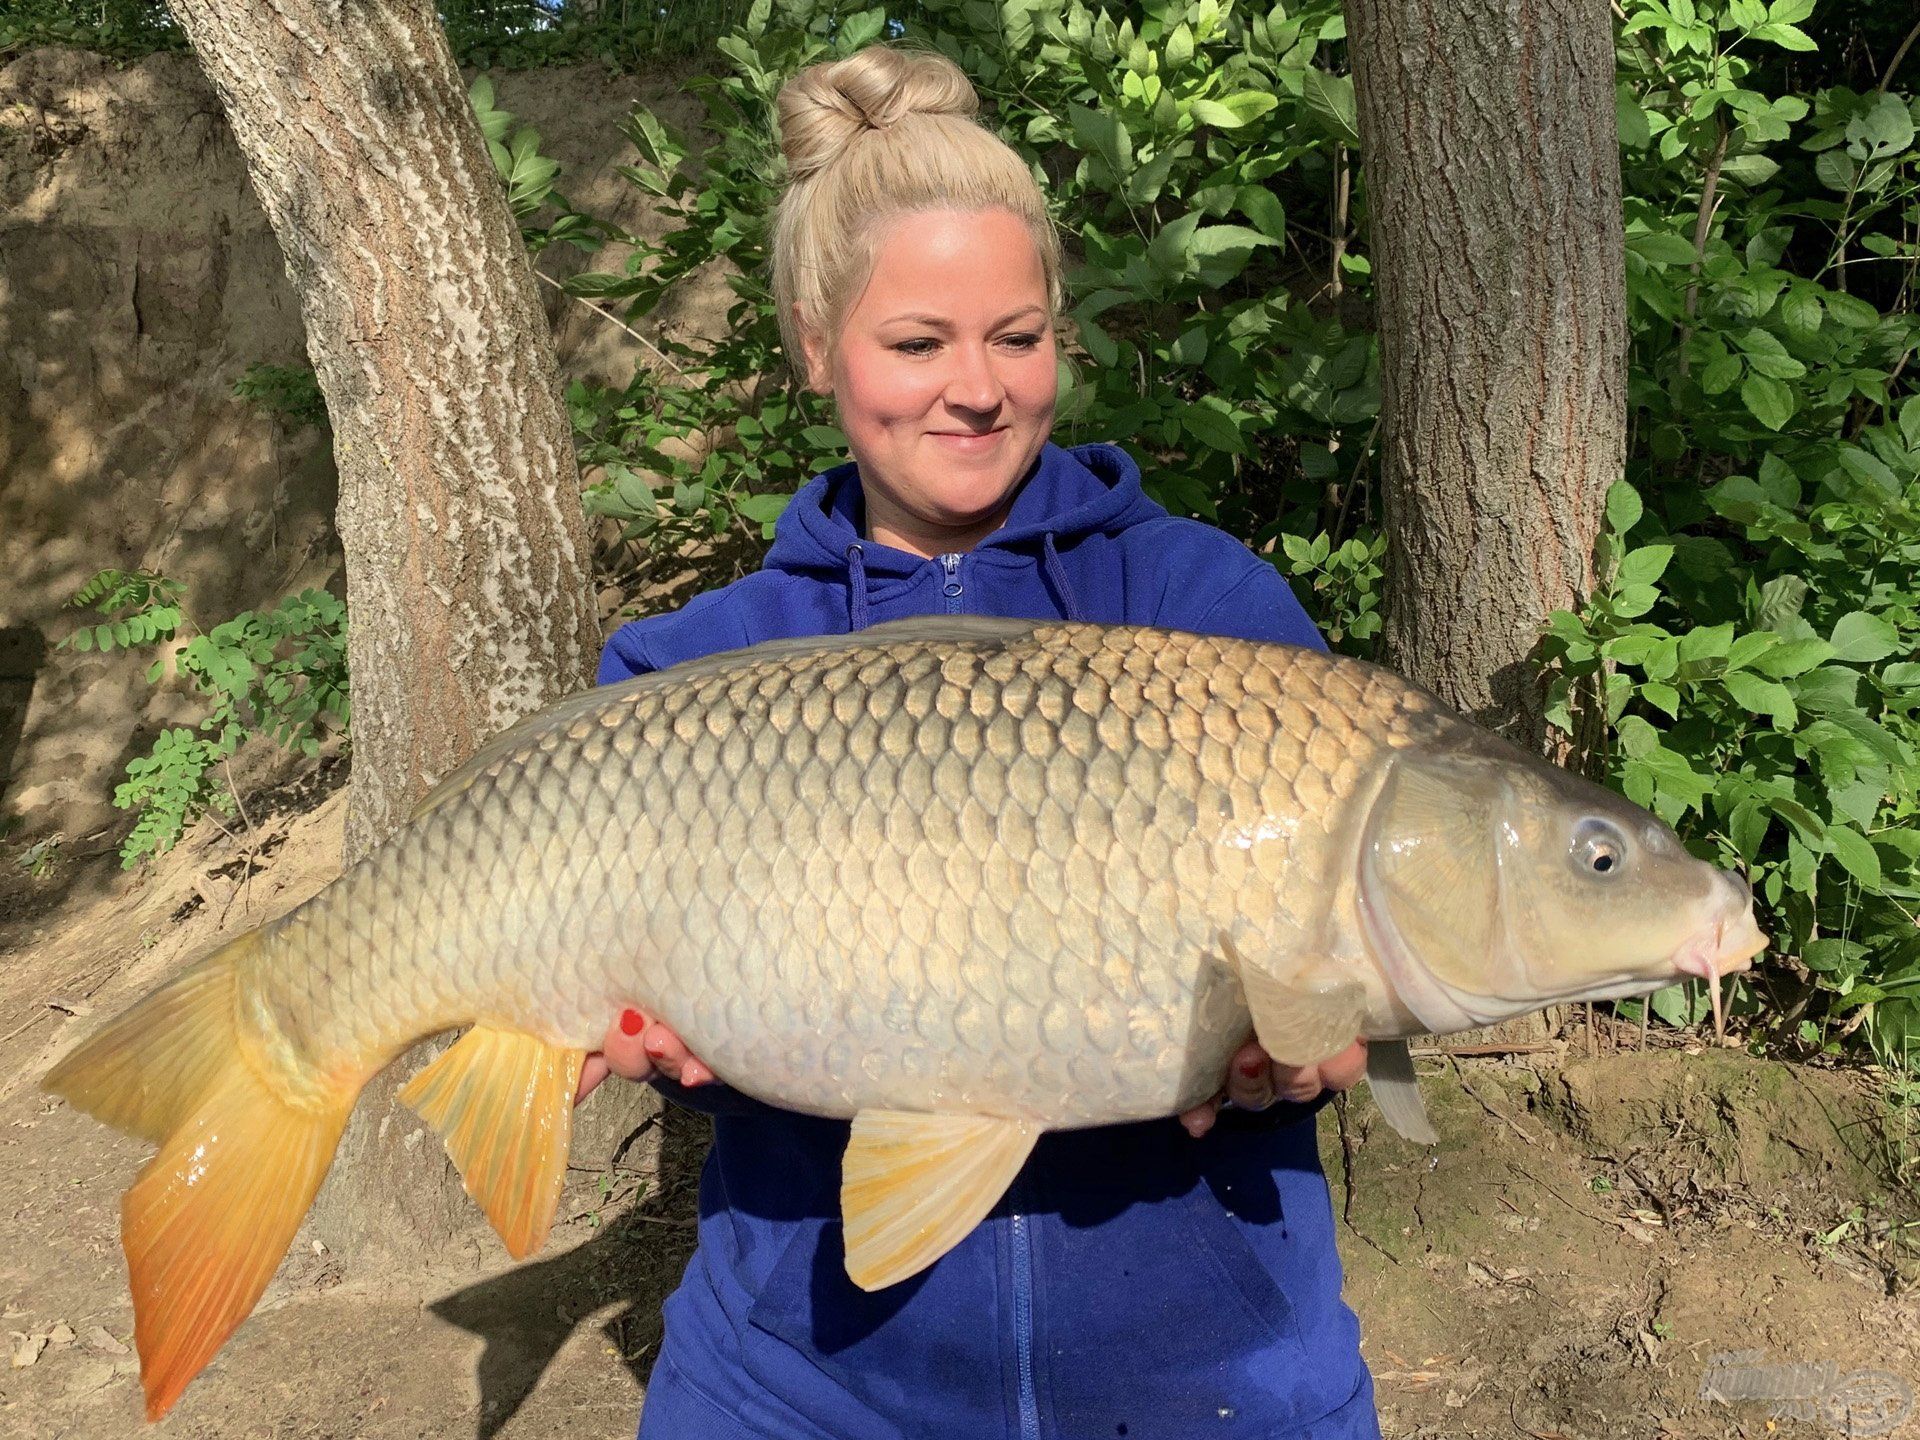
x=977, y=630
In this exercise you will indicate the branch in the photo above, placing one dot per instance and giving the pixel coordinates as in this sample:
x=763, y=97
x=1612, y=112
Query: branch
x=667, y=359
x=1702, y=223
x=1894, y=64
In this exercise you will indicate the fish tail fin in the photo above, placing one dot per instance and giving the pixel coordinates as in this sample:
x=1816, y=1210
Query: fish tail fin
x=206, y=1223
x=502, y=1100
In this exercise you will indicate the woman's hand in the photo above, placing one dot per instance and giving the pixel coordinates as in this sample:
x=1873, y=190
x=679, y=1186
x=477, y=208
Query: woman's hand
x=1255, y=1081
x=640, y=1047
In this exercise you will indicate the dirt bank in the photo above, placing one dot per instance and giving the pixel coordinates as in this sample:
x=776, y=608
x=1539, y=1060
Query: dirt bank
x=138, y=281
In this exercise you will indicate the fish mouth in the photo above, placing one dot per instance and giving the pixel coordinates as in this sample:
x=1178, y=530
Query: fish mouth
x=1725, y=947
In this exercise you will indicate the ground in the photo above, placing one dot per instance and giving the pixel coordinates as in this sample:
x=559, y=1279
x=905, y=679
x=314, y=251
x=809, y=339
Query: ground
x=1568, y=1263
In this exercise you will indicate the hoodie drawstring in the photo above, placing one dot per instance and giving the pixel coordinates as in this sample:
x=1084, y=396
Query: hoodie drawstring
x=1057, y=573
x=856, y=587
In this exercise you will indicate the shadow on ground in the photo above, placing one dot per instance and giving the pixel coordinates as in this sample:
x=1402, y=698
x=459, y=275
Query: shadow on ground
x=527, y=1315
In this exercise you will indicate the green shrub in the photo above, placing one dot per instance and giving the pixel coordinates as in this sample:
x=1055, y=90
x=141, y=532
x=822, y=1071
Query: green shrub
x=281, y=673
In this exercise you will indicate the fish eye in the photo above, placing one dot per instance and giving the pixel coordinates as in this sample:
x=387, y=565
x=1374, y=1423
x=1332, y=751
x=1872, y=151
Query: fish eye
x=1599, y=847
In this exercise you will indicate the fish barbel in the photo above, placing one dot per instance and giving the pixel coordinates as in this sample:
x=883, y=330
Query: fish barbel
x=961, y=880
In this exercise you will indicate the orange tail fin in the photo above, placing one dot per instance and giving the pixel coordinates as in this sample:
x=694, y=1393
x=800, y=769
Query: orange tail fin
x=206, y=1223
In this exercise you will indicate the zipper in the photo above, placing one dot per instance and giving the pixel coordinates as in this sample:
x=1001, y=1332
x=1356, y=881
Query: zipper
x=1023, y=1324
x=953, y=589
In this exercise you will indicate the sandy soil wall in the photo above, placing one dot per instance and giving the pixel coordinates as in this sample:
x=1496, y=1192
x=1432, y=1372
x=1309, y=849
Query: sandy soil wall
x=138, y=281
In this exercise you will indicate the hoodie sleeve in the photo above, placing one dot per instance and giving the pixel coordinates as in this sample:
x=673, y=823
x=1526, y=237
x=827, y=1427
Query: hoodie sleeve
x=1206, y=581
x=1260, y=605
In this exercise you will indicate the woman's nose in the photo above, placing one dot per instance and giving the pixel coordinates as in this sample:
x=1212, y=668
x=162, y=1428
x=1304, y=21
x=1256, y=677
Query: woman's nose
x=973, y=385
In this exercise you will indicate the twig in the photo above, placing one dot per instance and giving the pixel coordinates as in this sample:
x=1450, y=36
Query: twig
x=1497, y=1114
x=1577, y=1209
x=1702, y=223
x=1511, y=1047
x=614, y=320
x=253, y=843
x=1898, y=55
x=1342, y=191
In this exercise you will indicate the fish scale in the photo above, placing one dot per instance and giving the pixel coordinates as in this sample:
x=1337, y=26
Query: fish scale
x=961, y=880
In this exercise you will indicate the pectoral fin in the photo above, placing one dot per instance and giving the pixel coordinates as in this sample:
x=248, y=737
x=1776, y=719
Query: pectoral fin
x=913, y=1185
x=503, y=1102
x=1311, y=1012
x=1396, y=1090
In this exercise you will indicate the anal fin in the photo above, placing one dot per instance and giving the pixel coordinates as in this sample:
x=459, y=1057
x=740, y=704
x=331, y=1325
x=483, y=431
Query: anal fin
x=913, y=1185
x=1305, y=1016
x=1396, y=1090
x=502, y=1100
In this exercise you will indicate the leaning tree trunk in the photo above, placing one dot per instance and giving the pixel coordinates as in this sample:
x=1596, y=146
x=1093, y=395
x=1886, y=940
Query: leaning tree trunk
x=1493, y=186
x=466, y=544
x=1492, y=170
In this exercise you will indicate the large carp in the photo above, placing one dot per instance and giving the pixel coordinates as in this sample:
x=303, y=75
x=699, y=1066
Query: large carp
x=962, y=880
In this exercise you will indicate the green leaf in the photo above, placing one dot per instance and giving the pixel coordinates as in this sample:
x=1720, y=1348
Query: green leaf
x=1329, y=100
x=1855, y=854
x=763, y=509
x=1233, y=111
x=1706, y=642
x=1623, y=507
x=1862, y=637
x=1885, y=128
x=1851, y=311
x=1221, y=251
x=1104, y=135
x=1800, y=310
x=1794, y=657
x=1644, y=565
x=1212, y=427
x=1769, y=401
x=1762, y=697
x=1263, y=208
x=1787, y=37
x=1750, y=170
x=1661, y=250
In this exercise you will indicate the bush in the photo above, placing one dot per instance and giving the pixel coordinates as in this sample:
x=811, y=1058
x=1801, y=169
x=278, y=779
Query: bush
x=279, y=673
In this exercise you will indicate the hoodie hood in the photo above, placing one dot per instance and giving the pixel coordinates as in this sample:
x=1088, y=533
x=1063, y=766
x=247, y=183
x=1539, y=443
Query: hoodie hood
x=1087, y=490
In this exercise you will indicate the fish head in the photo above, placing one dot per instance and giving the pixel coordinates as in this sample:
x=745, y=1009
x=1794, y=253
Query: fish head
x=1492, y=884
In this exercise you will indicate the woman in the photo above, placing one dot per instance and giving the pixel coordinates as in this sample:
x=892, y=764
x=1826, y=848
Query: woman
x=1138, y=1281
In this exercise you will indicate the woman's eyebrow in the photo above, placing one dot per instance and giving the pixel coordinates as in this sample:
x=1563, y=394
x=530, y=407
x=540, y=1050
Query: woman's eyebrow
x=941, y=322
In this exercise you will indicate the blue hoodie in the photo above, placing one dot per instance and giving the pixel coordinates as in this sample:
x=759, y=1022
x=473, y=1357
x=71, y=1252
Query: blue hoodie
x=1135, y=1283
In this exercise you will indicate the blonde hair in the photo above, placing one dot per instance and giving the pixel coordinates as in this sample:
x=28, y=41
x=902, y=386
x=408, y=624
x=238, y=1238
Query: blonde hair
x=883, y=133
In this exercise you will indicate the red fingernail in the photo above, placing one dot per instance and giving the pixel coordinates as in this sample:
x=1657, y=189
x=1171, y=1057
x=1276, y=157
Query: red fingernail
x=632, y=1022
x=656, y=1046
x=1253, y=1069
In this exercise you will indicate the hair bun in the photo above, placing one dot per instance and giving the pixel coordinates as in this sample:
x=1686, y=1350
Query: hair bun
x=825, y=108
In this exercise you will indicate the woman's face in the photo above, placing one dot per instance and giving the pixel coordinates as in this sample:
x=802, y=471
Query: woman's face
x=944, y=377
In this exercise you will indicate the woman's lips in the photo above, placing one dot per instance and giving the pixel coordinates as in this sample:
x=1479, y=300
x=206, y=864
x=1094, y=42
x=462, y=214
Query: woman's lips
x=969, y=442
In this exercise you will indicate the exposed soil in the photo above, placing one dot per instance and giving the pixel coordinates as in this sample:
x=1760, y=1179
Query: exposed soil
x=1569, y=1262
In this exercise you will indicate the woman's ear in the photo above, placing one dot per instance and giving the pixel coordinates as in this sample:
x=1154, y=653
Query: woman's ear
x=819, y=374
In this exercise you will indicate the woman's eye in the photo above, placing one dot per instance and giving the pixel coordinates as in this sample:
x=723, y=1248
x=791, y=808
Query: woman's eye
x=917, y=347
x=1020, y=342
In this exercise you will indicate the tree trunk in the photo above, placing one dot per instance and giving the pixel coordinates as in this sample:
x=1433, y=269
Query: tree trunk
x=466, y=545
x=1492, y=170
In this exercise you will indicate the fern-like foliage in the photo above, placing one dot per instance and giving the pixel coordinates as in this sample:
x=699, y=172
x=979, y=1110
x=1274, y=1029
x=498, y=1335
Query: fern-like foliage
x=279, y=673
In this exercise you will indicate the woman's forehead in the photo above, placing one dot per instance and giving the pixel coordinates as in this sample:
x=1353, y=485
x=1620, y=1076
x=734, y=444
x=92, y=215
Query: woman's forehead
x=937, y=261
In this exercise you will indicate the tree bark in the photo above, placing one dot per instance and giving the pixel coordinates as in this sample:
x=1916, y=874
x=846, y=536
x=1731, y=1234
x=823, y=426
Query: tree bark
x=1492, y=171
x=468, y=565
